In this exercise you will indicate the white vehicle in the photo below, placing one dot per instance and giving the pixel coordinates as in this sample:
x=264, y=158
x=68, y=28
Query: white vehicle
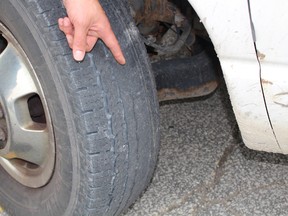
x=252, y=50
x=83, y=138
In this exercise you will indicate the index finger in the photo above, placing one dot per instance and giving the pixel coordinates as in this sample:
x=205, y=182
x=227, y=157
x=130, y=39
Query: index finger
x=112, y=43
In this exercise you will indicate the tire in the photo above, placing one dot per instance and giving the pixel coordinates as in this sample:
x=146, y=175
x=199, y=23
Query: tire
x=101, y=117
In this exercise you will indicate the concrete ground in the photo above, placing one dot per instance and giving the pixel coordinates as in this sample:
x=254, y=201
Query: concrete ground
x=205, y=169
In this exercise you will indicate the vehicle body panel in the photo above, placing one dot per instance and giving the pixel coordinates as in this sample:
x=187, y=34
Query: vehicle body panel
x=229, y=26
x=271, y=35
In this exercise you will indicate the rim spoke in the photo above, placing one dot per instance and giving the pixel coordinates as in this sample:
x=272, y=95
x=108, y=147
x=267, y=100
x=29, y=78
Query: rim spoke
x=15, y=79
x=29, y=144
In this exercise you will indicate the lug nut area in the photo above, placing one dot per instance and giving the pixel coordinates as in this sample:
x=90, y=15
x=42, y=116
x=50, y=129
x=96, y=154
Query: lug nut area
x=3, y=129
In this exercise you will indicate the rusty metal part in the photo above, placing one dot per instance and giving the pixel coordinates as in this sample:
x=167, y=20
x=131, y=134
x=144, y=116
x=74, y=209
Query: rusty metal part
x=167, y=94
x=175, y=47
x=155, y=20
x=186, y=77
x=147, y=11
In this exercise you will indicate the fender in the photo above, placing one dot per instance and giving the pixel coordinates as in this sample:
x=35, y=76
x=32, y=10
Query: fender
x=271, y=43
x=228, y=24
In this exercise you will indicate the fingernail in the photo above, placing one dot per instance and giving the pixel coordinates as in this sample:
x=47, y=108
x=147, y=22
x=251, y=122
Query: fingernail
x=122, y=61
x=79, y=55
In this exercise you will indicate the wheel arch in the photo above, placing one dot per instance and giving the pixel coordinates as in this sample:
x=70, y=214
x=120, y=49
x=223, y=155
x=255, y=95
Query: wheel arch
x=229, y=27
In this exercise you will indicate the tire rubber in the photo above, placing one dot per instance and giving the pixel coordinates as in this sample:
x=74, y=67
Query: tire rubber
x=105, y=116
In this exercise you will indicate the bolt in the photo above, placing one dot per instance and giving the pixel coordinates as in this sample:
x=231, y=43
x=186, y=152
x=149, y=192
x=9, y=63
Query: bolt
x=2, y=138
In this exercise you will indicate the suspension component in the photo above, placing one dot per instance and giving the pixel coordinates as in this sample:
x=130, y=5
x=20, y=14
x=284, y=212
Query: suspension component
x=149, y=11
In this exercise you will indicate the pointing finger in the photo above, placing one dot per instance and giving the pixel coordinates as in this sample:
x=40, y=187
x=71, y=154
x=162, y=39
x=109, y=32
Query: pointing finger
x=112, y=43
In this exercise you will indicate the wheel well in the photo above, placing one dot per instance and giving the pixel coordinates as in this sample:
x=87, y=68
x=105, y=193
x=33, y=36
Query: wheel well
x=175, y=40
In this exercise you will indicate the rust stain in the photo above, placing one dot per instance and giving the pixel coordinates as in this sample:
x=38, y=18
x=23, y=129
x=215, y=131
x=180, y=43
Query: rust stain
x=166, y=94
x=266, y=82
x=261, y=56
x=155, y=10
x=10, y=155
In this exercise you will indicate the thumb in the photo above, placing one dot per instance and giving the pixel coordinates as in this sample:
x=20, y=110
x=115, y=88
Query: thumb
x=79, y=43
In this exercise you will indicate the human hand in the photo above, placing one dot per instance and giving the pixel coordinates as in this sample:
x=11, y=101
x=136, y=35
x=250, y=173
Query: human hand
x=85, y=24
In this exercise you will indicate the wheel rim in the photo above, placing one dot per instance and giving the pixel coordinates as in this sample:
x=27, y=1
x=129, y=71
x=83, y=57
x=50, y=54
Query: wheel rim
x=27, y=148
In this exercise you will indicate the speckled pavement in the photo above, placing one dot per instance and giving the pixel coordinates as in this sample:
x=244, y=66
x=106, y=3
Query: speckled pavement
x=205, y=169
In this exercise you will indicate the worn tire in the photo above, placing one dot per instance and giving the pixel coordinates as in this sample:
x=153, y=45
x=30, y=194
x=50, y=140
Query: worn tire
x=104, y=116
